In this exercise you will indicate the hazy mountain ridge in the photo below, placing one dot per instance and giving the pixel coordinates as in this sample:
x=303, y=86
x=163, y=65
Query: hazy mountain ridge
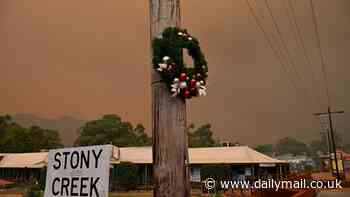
x=66, y=126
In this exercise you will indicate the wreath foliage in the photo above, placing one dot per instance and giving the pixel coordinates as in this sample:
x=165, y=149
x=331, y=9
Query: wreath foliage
x=183, y=81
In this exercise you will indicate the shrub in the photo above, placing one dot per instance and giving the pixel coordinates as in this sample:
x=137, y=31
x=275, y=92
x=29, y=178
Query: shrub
x=34, y=191
x=9, y=186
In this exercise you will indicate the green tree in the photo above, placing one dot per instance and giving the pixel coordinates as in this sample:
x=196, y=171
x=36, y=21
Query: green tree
x=44, y=138
x=322, y=143
x=267, y=149
x=15, y=138
x=110, y=129
x=201, y=137
x=291, y=145
x=142, y=137
x=5, y=122
x=319, y=145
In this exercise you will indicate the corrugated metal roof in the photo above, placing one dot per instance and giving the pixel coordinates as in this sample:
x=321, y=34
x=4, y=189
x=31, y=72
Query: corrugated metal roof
x=229, y=155
x=23, y=160
x=143, y=155
x=138, y=155
x=211, y=155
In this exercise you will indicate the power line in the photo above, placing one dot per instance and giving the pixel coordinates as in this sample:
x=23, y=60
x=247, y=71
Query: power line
x=273, y=37
x=275, y=52
x=291, y=23
x=320, y=51
x=299, y=36
x=291, y=62
x=284, y=45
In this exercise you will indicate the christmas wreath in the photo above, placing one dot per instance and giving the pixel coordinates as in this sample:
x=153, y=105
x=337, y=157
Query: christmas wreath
x=183, y=81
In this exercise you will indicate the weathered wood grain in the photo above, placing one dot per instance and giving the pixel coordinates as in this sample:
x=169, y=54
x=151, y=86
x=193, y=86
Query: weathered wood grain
x=170, y=172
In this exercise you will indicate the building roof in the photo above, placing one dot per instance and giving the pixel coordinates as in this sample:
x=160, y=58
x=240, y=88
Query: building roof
x=143, y=155
x=211, y=155
x=229, y=155
x=138, y=155
x=23, y=160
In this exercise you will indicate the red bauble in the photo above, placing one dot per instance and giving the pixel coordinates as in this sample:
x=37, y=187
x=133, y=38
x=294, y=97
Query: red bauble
x=187, y=93
x=193, y=83
x=183, y=77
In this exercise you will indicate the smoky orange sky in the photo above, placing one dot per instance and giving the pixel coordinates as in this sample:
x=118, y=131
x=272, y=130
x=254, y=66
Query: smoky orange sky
x=88, y=58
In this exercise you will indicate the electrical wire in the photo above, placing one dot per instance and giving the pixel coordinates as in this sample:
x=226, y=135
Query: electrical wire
x=298, y=34
x=275, y=52
x=284, y=45
x=318, y=39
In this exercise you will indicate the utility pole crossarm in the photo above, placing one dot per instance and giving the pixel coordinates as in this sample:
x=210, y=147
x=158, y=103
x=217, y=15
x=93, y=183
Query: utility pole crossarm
x=330, y=132
x=326, y=113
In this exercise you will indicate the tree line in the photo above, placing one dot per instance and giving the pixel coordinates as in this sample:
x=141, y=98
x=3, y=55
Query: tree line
x=15, y=138
x=109, y=129
x=291, y=145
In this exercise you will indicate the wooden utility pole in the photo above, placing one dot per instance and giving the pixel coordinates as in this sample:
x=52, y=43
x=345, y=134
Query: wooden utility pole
x=332, y=143
x=170, y=154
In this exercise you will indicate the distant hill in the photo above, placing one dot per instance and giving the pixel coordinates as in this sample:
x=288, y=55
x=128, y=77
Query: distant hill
x=67, y=126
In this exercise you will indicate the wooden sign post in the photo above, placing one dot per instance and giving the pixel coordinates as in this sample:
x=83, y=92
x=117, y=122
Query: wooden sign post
x=170, y=154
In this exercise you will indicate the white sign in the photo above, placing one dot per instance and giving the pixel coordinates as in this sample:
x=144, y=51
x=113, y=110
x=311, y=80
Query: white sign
x=195, y=174
x=81, y=171
x=266, y=165
x=248, y=171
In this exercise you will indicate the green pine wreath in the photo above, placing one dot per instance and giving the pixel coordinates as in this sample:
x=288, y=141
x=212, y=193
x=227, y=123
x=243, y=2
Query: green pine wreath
x=183, y=81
